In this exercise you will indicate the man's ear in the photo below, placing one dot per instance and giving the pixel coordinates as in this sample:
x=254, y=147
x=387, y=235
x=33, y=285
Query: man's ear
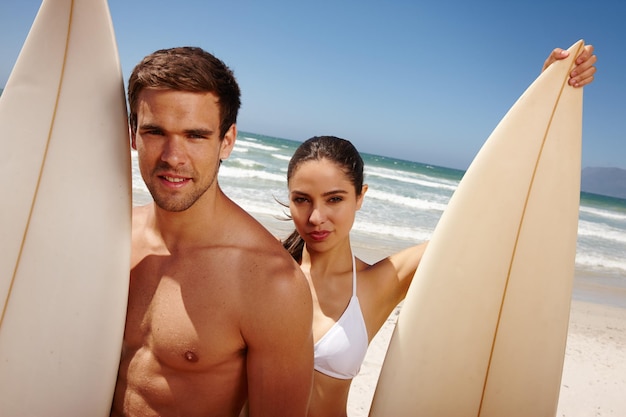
x=228, y=142
x=133, y=139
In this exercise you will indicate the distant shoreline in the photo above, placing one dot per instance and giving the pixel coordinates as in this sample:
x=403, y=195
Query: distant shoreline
x=601, y=181
x=609, y=182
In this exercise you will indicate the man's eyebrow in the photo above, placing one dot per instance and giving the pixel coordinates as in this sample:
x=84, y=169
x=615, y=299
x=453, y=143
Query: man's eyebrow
x=196, y=132
x=149, y=126
x=199, y=132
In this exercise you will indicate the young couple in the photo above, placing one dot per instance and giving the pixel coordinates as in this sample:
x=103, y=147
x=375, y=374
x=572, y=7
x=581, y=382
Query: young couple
x=219, y=314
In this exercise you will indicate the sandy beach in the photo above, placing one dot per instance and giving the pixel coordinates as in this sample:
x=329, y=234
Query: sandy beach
x=594, y=370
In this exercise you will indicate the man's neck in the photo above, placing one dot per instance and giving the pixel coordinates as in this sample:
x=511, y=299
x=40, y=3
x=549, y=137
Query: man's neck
x=192, y=226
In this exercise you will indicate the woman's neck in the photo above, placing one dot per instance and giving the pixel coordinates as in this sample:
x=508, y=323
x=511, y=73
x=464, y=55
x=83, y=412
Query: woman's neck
x=333, y=261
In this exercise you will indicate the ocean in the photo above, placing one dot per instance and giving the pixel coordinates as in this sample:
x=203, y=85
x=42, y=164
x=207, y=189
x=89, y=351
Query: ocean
x=403, y=204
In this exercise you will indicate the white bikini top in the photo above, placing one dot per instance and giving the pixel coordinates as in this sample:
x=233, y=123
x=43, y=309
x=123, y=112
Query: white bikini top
x=341, y=351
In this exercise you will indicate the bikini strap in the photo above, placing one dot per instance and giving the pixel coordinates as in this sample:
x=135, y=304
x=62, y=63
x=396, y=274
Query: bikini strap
x=353, y=276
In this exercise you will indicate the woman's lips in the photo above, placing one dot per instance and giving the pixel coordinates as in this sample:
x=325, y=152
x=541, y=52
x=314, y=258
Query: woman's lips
x=319, y=234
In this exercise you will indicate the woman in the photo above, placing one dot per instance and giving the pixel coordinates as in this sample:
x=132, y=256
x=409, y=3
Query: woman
x=351, y=298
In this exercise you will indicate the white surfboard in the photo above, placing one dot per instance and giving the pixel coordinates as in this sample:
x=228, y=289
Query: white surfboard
x=483, y=329
x=65, y=222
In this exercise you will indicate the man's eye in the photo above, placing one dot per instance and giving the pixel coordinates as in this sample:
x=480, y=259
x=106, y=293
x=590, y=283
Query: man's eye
x=153, y=133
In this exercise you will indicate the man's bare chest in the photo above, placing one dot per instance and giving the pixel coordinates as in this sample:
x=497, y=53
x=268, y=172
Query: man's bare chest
x=186, y=315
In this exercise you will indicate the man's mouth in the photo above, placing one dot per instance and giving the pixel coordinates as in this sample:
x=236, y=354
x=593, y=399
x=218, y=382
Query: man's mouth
x=173, y=179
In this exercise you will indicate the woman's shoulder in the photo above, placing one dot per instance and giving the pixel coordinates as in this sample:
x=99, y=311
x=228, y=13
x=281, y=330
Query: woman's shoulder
x=375, y=272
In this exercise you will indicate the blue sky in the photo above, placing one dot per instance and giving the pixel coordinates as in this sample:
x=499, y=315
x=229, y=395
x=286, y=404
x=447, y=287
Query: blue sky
x=423, y=81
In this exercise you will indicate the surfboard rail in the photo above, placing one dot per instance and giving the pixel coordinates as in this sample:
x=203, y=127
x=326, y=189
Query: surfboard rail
x=65, y=241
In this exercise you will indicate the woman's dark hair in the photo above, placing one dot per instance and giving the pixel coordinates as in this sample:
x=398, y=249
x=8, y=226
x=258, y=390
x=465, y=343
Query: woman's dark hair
x=337, y=150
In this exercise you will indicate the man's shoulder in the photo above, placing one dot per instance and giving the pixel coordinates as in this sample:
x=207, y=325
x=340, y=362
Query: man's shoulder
x=249, y=234
x=270, y=263
x=270, y=258
x=274, y=284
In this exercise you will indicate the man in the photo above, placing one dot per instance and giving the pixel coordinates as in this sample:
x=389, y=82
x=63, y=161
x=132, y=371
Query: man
x=218, y=313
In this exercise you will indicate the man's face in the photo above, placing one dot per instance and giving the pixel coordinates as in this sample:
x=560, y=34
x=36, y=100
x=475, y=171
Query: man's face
x=179, y=147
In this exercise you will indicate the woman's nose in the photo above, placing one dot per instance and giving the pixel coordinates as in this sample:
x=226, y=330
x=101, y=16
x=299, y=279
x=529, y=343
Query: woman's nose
x=317, y=216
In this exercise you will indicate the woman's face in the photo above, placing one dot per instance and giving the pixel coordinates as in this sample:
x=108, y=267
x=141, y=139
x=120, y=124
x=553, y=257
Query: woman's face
x=323, y=203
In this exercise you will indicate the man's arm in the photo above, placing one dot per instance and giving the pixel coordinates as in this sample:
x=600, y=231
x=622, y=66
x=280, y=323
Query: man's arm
x=280, y=347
